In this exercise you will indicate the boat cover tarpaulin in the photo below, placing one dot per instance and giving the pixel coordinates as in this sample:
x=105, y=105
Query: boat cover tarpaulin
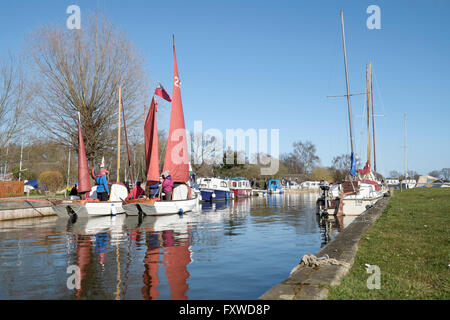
x=353, y=165
x=32, y=183
x=366, y=169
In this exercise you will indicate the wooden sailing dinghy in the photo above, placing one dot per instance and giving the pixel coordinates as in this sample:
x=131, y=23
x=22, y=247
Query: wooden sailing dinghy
x=89, y=207
x=176, y=160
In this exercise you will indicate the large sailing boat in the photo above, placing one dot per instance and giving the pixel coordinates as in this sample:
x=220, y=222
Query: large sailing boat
x=360, y=191
x=176, y=160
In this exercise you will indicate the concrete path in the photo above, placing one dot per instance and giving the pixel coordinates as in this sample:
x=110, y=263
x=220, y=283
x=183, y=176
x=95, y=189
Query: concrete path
x=20, y=209
x=308, y=283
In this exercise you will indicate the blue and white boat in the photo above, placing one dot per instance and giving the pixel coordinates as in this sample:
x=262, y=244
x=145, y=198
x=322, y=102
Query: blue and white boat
x=274, y=186
x=213, y=189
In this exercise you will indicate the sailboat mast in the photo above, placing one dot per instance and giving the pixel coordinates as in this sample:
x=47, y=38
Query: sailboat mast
x=68, y=169
x=368, y=72
x=373, y=126
x=21, y=155
x=406, y=153
x=118, y=136
x=347, y=83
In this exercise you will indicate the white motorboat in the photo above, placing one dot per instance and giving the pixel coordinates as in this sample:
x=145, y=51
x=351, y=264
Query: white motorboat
x=408, y=183
x=310, y=185
x=213, y=189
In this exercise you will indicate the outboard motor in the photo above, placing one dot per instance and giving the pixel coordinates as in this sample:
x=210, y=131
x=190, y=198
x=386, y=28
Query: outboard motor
x=325, y=187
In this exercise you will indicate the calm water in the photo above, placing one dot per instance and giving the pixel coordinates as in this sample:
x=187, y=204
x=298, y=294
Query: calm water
x=228, y=250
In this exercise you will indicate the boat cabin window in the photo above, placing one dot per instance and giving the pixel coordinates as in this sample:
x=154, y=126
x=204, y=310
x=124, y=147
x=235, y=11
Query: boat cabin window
x=234, y=184
x=223, y=184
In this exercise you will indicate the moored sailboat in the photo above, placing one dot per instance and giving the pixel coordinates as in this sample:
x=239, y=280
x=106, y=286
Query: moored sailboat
x=361, y=190
x=176, y=160
x=85, y=206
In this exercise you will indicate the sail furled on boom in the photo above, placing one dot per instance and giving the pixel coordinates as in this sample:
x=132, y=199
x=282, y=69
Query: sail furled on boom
x=353, y=165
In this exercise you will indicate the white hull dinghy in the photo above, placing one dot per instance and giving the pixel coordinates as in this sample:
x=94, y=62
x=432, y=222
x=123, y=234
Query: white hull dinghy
x=154, y=207
x=87, y=208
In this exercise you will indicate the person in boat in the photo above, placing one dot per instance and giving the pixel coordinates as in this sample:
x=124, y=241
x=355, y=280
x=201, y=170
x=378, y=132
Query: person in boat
x=102, y=185
x=74, y=190
x=167, y=185
x=153, y=190
x=136, y=192
x=193, y=181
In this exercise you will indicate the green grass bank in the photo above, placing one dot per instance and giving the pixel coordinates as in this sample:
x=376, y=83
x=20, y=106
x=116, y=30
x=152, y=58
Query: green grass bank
x=410, y=245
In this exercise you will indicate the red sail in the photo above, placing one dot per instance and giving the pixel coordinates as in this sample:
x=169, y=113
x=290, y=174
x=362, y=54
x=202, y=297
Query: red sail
x=151, y=145
x=84, y=182
x=177, y=159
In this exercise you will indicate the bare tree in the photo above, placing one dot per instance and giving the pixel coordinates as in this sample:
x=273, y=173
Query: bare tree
x=394, y=174
x=445, y=174
x=81, y=71
x=302, y=159
x=435, y=173
x=205, y=150
x=14, y=99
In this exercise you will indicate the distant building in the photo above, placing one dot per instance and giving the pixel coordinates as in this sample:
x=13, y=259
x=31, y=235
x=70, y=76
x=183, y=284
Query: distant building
x=392, y=182
x=6, y=177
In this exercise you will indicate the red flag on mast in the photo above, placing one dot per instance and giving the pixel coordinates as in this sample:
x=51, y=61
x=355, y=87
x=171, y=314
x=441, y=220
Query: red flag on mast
x=161, y=92
x=84, y=182
x=177, y=159
x=151, y=144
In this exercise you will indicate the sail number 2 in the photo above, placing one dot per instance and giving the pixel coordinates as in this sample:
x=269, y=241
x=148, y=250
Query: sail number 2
x=176, y=81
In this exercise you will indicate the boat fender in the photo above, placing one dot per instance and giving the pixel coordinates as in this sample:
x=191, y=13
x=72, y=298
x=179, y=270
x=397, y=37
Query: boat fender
x=213, y=195
x=180, y=211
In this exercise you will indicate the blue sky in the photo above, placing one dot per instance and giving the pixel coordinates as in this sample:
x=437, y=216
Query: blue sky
x=271, y=64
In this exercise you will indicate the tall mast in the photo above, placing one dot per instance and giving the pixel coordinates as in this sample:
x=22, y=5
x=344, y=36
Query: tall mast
x=21, y=155
x=406, y=153
x=368, y=72
x=373, y=126
x=6, y=159
x=68, y=169
x=128, y=148
x=118, y=136
x=346, y=78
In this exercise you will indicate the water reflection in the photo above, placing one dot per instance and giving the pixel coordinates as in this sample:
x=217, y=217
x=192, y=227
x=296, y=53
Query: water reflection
x=220, y=252
x=168, y=245
x=331, y=225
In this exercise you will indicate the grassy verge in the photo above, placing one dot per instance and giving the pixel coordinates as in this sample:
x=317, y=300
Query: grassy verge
x=410, y=244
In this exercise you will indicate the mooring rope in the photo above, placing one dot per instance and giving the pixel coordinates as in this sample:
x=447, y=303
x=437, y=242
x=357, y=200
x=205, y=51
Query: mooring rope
x=311, y=260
